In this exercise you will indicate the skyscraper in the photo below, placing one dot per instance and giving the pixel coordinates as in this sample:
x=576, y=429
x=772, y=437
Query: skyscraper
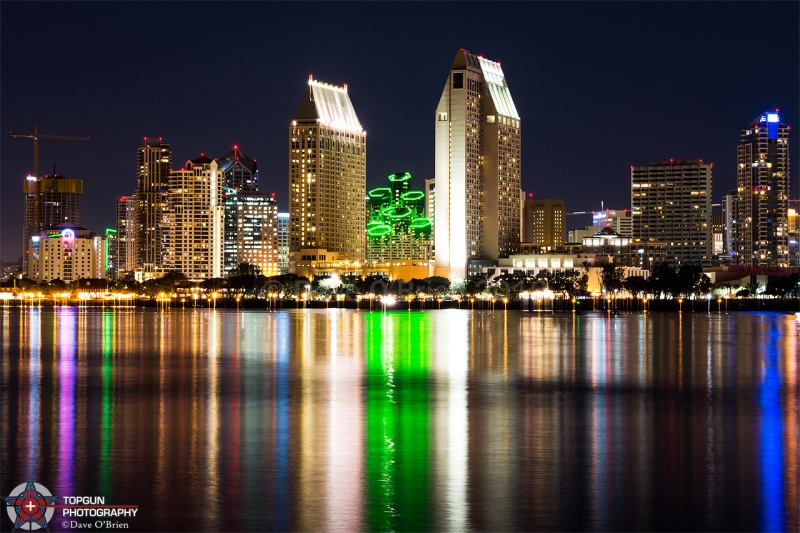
x=251, y=231
x=327, y=174
x=671, y=202
x=50, y=201
x=153, y=163
x=762, y=196
x=477, y=167
x=194, y=220
x=125, y=253
x=283, y=243
x=250, y=217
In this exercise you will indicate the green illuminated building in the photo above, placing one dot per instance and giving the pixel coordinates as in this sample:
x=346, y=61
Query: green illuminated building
x=397, y=228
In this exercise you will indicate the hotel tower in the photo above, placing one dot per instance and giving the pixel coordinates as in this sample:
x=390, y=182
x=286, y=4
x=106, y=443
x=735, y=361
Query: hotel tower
x=477, y=168
x=327, y=174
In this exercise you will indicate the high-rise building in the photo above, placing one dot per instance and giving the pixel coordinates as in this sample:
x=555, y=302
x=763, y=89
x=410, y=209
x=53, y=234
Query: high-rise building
x=327, y=174
x=193, y=221
x=50, y=201
x=544, y=221
x=125, y=253
x=153, y=164
x=250, y=217
x=29, y=224
x=397, y=228
x=671, y=202
x=762, y=198
x=283, y=243
x=239, y=170
x=251, y=231
x=477, y=167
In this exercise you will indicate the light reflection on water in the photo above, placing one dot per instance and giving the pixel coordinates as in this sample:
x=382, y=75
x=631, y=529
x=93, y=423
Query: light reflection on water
x=408, y=421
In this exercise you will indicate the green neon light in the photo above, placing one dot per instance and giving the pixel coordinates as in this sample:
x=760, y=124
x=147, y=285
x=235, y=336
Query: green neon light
x=420, y=223
x=412, y=196
x=400, y=177
x=400, y=212
x=381, y=193
x=110, y=230
x=380, y=231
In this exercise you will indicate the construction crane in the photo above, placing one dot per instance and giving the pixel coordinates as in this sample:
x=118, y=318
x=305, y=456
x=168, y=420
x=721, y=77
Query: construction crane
x=35, y=136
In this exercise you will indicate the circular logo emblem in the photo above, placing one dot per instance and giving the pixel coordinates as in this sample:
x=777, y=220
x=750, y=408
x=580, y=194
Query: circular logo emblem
x=29, y=506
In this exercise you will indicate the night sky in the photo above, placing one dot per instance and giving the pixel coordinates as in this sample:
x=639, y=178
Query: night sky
x=599, y=86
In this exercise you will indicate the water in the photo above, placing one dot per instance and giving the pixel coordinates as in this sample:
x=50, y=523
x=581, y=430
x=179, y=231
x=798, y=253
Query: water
x=453, y=420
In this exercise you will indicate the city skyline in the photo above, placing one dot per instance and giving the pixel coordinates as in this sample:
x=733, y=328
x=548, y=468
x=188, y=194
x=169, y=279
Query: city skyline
x=585, y=90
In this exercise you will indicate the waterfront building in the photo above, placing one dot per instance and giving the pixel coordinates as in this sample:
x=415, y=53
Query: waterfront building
x=477, y=167
x=397, y=228
x=251, y=231
x=319, y=264
x=153, y=164
x=762, y=197
x=543, y=221
x=194, y=220
x=327, y=174
x=66, y=253
x=50, y=201
x=125, y=251
x=671, y=202
x=283, y=243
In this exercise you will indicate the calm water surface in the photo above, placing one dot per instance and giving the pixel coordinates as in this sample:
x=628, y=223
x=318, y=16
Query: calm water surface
x=342, y=420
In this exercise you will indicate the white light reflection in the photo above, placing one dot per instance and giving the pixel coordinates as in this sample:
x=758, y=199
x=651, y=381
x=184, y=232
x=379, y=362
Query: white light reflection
x=452, y=426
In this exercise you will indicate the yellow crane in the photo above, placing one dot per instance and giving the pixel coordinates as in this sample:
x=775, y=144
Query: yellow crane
x=35, y=136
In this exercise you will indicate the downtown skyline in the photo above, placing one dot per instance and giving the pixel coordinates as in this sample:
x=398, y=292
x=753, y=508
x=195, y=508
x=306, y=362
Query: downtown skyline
x=649, y=83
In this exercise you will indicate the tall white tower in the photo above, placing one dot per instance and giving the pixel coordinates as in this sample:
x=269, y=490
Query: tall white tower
x=477, y=167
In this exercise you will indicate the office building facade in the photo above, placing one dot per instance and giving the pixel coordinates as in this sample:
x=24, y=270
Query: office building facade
x=153, y=165
x=327, y=174
x=477, y=167
x=762, y=193
x=251, y=231
x=671, y=203
x=283, y=243
x=125, y=252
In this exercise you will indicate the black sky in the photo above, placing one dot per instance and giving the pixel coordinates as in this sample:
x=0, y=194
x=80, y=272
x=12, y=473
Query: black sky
x=599, y=86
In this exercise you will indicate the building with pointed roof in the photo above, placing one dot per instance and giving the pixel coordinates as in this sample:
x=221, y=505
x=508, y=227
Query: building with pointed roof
x=477, y=168
x=327, y=174
x=240, y=171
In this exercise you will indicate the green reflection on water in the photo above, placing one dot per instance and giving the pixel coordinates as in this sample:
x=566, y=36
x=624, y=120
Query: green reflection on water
x=398, y=421
x=109, y=331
